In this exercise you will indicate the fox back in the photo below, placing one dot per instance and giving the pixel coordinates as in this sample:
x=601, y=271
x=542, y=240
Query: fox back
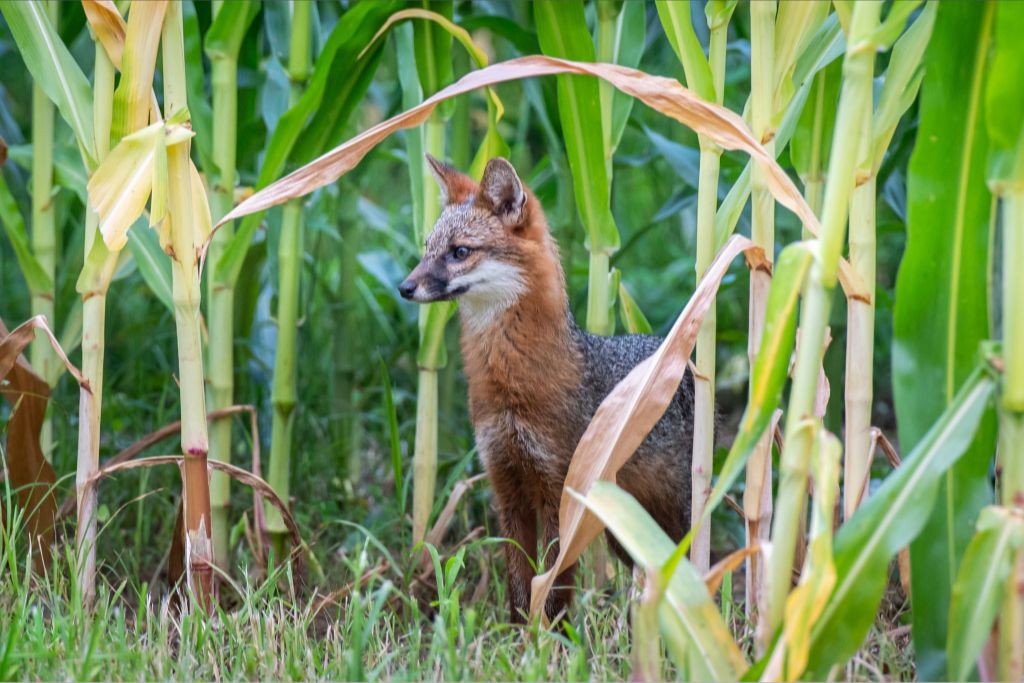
x=535, y=379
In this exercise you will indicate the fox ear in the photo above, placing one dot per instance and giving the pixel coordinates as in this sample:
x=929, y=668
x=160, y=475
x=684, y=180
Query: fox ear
x=455, y=187
x=502, y=191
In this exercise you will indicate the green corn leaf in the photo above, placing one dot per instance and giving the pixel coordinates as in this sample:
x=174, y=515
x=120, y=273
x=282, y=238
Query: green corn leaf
x=891, y=518
x=980, y=586
x=942, y=304
x=902, y=81
x=891, y=28
x=152, y=262
x=67, y=167
x=796, y=24
x=195, y=80
x=695, y=623
x=802, y=144
x=224, y=39
x=71, y=333
x=630, y=37
x=675, y=19
x=521, y=38
x=412, y=94
x=433, y=47
x=562, y=29
x=1004, y=98
x=38, y=280
x=492, y=145
x=53, y=69
x=337, y=62
x=633, y=319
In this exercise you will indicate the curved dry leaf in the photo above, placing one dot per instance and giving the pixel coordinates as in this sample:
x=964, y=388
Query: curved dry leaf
x=666, y=95
x=109, y=27
x=624, y=419
x=236, y=473
x=724, y=127
x=29, y=474
x=12, y=344
x=149, y=440
x=729, y=563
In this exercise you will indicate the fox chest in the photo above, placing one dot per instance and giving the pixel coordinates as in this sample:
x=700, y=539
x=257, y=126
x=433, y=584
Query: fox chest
x=523, y=460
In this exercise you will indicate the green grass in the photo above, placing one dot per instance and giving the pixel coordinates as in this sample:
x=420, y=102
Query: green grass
x=388, y=626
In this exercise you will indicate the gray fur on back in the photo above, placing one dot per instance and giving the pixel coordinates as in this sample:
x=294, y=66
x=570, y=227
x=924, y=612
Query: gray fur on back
x=660, y=468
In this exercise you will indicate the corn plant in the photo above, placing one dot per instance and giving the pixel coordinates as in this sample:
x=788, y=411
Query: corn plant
x=44, y=228
x=289, y=257
x=706, y=76
x=223, y=42
x=55, y=71
x=562, y=31
x=431, y=51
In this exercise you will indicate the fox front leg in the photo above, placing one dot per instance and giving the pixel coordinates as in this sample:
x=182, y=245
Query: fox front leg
x=519, y=525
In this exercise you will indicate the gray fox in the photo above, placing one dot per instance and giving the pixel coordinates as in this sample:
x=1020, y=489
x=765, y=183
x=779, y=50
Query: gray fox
x=535, y=378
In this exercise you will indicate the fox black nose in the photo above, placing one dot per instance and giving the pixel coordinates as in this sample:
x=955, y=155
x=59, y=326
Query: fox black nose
x=406, y=289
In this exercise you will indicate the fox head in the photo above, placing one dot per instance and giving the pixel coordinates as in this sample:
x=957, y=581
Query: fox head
x=486, y=243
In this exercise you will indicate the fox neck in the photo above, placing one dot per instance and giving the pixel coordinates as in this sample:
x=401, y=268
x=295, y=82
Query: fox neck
x=520, y=354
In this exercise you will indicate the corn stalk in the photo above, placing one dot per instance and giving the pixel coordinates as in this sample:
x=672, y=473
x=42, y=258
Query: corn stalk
x=1006, y=130
x=860, y=331
x=186, y=294
x=94, y=311
x=284, y=394
x=44, y=233
x=707, y=77
x=757, y=496
x=221, y=295
x=794, y=465
x=1011, y=432
x=431, y=49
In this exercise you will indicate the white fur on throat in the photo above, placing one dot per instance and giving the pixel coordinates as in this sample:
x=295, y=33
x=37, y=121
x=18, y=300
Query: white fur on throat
x=493, y=286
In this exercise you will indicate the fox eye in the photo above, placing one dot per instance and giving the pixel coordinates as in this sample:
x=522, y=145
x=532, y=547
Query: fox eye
x=460, y=253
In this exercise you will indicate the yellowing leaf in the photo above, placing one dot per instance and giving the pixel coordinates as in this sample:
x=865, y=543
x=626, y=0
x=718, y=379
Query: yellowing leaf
x=807, y=601
x=202, y=222
x=119, y=188
x=109, y=27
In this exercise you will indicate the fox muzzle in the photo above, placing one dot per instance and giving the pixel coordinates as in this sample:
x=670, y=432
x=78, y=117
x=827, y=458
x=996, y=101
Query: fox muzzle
x=425, y=286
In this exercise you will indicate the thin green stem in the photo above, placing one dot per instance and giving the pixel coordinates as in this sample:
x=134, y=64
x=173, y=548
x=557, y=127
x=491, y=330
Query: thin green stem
x=284, y=395
x=1013, y=302
x=94, y=306
x=431, y=358
x=1011, y=432
x=44, y=234
x=607, y=12
x=814, y=314
x=704, y=399
x=221, y=297
x=599, y=320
